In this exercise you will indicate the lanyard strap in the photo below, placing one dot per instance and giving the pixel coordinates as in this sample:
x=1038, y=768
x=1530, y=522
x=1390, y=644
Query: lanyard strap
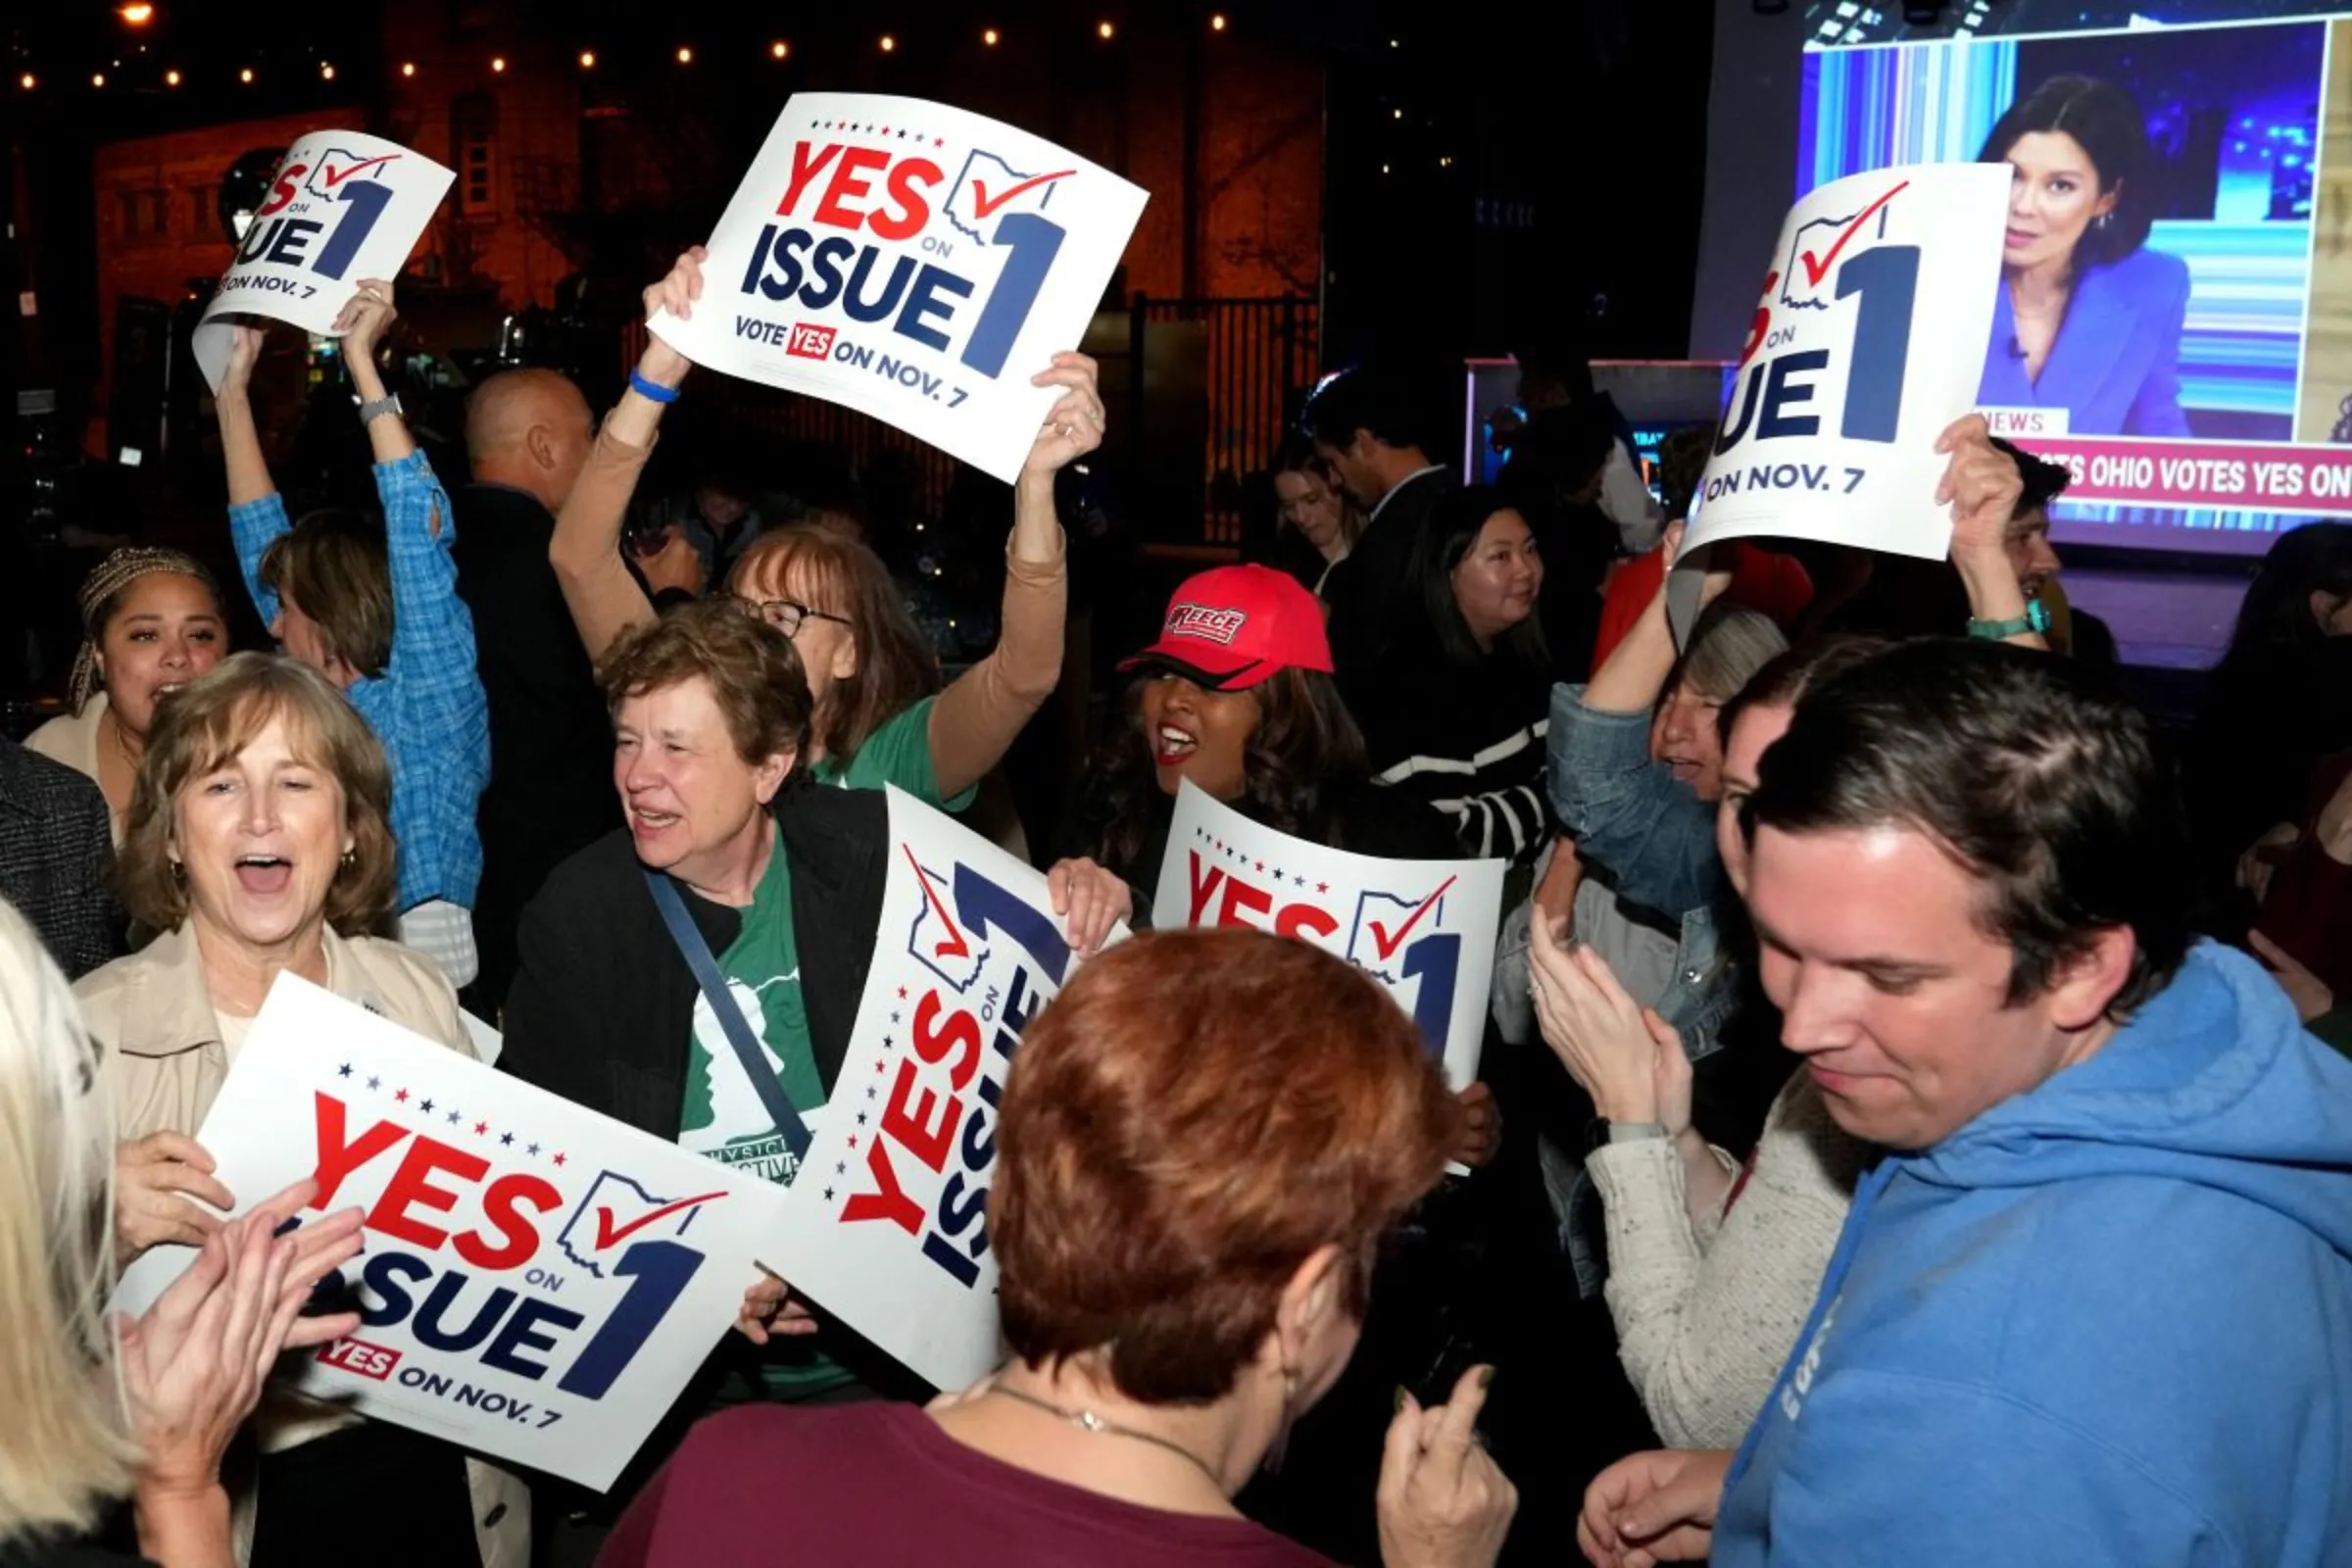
x=731, y=1022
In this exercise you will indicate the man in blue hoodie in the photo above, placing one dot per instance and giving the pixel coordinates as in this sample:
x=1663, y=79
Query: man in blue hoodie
x=2095, y=1306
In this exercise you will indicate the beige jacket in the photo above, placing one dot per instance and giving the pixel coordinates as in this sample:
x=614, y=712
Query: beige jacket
x=164, y=1064
x=73, y=739
x=165, y=1061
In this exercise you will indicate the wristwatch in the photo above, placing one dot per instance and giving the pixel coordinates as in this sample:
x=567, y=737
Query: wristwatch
x=2034, y=619
x=375, y=409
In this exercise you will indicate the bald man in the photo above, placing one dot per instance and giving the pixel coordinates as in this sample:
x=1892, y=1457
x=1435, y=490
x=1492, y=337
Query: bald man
x=527, y=434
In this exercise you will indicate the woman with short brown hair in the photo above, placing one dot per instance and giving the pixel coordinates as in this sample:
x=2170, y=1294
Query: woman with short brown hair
x=1201, y=1143
x=259, y=846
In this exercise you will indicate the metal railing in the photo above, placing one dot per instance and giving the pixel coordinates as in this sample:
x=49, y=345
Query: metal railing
x=1225, y=381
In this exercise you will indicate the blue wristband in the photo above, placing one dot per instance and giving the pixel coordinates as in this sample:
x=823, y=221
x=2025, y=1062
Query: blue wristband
x=650, y=389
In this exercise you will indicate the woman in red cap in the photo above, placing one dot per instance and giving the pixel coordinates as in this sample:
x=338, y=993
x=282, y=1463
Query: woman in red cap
x=1237, y=696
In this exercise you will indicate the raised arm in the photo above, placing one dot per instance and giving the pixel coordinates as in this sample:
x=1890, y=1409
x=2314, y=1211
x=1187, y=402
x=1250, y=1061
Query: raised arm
x=432, y=661
x=1982, y=486
x=605, y=600
x=1634, y=675
x=257, y=514
x=976, y=720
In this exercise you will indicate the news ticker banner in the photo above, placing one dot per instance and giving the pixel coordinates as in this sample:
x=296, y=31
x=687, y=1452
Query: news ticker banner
x=539, y=1281
x=911, y=261
x=1867, y=342
x=342, y=205
x=1424, y=929
x=886, y=1226
x=2232, y=475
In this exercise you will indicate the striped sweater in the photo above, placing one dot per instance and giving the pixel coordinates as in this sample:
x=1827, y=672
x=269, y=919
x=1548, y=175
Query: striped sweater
x=1468, y=742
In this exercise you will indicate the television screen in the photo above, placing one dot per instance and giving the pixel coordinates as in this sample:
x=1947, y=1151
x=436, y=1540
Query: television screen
x=2174, y=314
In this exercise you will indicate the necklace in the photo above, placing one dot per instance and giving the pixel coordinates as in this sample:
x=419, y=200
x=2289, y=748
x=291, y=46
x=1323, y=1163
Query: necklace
x=1088, y=1421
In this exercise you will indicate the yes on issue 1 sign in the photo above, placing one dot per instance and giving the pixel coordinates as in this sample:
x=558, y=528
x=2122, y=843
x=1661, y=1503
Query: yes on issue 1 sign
x=887, y=1224
x=1868, y=340
x=1424, y=929
x=911, y=261
x=539, y=1281
x=342, y=205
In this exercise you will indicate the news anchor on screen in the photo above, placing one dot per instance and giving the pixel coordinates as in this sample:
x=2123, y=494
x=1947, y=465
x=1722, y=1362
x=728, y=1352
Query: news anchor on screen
x=2089, y=319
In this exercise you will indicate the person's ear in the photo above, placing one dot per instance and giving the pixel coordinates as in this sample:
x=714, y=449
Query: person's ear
x=769, y=776
x=1363, y=447
x=2108, y=200
x=2324, y=608
x=844, y=658
x=2086, y=986
x=540, y=442
x=1309, y=1307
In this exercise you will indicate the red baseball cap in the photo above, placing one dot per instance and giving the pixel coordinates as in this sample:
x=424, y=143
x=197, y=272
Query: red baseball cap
x=1235, y=627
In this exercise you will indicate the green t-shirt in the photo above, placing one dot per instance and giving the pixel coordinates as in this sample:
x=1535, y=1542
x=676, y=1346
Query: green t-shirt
x=899, y=752
x=723, y=1117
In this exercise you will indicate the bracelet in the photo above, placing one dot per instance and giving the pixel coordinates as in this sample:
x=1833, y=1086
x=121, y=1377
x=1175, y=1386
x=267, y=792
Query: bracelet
x=652, y=389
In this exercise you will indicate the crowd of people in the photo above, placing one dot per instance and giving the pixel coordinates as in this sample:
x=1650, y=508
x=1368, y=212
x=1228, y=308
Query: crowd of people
x=1907, y=1132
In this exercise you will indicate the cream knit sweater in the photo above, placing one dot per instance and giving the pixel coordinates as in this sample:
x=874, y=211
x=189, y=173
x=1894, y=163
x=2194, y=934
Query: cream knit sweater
x=1706, y=1317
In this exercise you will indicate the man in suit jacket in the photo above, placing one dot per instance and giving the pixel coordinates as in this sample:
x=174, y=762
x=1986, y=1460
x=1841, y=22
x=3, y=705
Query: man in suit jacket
x=1362, y=423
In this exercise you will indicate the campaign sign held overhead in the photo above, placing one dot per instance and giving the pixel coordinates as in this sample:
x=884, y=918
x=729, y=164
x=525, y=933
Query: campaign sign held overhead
x=1868, y=340
x=886, y=1228
x=342, y=205
x=539, y=1281
x=911, y=261
x=1424, y=929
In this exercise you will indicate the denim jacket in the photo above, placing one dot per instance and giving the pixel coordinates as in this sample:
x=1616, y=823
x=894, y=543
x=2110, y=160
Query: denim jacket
x=1628, y=814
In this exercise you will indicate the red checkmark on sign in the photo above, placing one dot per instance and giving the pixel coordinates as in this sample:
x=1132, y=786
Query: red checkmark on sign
x=1388, y=944
x=1815, y=269
x=982, y=206
x=956, y=946
x=609, y=1235
x=336, y=177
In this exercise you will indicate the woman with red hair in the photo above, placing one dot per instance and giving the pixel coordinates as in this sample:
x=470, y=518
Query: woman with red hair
x=1201, y=1144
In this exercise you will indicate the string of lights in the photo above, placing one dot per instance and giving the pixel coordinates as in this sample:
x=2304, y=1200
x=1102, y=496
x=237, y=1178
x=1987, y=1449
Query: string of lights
x=139, y=15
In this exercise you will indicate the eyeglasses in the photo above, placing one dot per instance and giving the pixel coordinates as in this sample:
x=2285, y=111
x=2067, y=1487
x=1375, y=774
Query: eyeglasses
x=786, y=615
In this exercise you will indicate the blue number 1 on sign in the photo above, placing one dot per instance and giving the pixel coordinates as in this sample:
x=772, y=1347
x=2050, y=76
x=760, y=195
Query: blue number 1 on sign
x=1885, y=284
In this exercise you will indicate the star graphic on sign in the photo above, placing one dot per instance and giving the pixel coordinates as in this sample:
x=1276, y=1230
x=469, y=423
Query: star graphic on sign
x=401, y=1098
x=1322, y=887
x=1278, y=874
x=558, y=1160
x=853, y=1140
x=453, y=1118
x=506, y=1138
x=1262, y=865
x=869, y=1093
x=372, y=1082
x=861, y=1119
x=1301, y=881
x=828, y=1195
x=888, y=1042
x=894, y=1017
x=480, y=1127
x=532, y=1148
x=877, y=1069
x=427, y=1107
x=343, y=1071
x=939, y=142
x=902, y=992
